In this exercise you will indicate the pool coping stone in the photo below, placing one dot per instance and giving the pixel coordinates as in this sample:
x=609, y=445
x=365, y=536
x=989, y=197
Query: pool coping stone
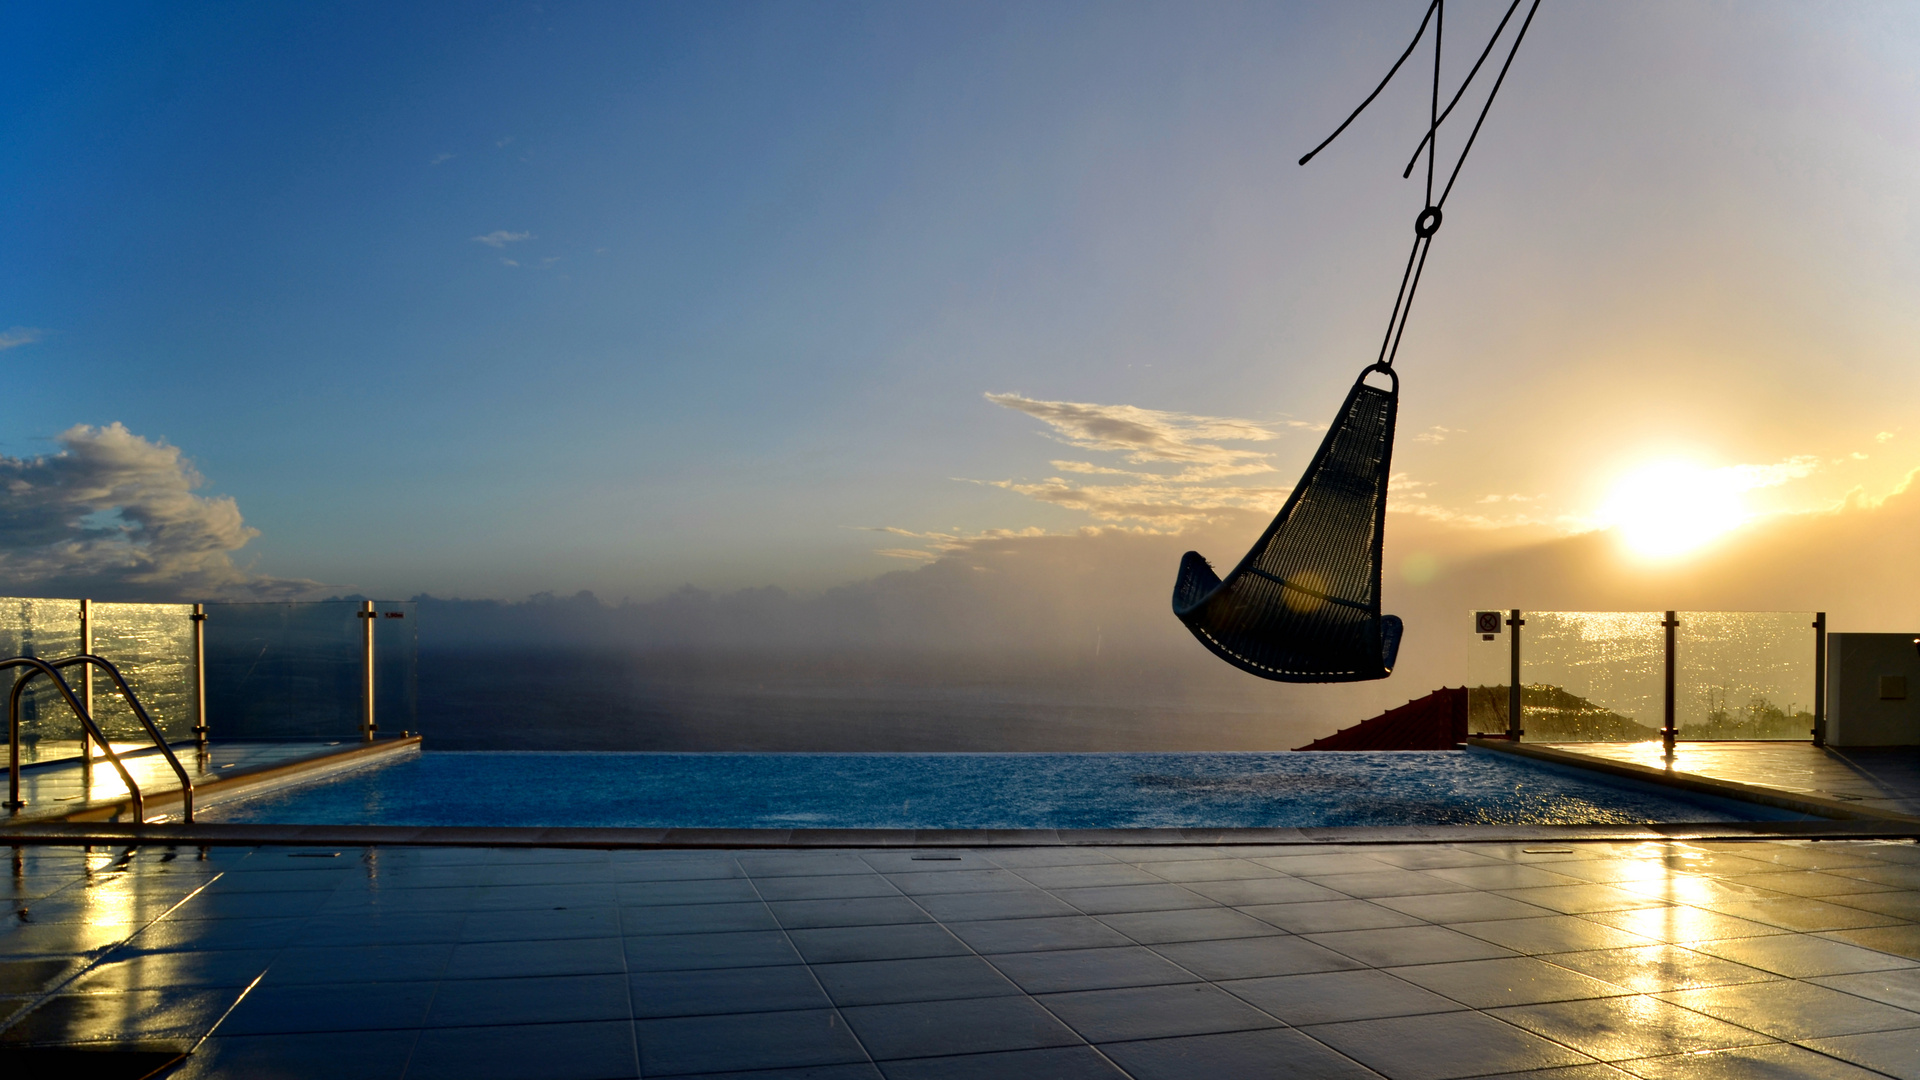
x=1693, y=782
x=252, y=781
x=225, y=833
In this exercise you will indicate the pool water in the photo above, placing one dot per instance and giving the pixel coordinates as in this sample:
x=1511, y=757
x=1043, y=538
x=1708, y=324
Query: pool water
x=968, y=791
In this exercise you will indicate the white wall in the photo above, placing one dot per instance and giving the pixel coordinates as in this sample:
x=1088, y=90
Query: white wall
x=1857, y=713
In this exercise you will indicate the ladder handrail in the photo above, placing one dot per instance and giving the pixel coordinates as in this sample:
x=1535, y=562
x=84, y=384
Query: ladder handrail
x=13, y=729
x=140, y=713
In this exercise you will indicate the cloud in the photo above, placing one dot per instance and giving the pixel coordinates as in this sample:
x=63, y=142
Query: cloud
x=938, y=545
x=1198, y=491
x=1142, y=493
x=1754, y=477
x=500, y=238
x=441, y=159
x=1885, y=436
x=1164, y=505
x=1143, y=435
x=19, y=335
x=115, y=515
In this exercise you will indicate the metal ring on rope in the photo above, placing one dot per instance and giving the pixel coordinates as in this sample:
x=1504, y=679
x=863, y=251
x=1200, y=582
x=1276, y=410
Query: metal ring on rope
x=1382, y=368
x=1428, y=223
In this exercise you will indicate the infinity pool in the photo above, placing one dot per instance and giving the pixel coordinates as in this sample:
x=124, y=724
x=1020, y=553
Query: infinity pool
x=968, y=791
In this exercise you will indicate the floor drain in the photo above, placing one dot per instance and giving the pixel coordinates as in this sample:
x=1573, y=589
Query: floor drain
x=935, y=858
x=1547, y=850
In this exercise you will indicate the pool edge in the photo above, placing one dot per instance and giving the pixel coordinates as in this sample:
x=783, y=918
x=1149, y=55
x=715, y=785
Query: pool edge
x=1695, y=783
x=224, y=834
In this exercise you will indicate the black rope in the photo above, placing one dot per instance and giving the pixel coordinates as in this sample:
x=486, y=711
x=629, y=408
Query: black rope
x=1429, y=220
x=1425, y=244
x=1517, y=39
x=1433, y=103
x=1394, y=319
x=1460, y=93
x=1376, y=90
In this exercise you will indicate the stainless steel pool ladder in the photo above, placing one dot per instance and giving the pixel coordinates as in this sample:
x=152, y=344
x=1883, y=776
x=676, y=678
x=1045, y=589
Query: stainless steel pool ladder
x=37, y=666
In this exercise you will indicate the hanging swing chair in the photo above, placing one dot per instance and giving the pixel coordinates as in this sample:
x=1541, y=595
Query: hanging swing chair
x=1304, y=604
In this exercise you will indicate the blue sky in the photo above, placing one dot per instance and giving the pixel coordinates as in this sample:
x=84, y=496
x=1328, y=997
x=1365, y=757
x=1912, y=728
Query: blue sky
x=482, y=299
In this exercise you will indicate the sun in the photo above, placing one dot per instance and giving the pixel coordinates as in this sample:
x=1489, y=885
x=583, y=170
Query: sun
x=1669, y=508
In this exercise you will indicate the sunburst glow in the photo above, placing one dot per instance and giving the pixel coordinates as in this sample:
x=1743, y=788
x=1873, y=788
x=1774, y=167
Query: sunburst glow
x=1669, y=508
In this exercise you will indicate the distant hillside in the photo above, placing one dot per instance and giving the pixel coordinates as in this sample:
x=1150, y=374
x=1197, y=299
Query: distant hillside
x=1552, y=715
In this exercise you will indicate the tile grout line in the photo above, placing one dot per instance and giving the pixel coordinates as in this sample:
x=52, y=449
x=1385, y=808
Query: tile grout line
x=369, y=857
x=47, y=995
x=787, y=936
x=256, y=852
x=971, y=951
x=1284, y=931
x=626, y=971
x=1771, y=1040
x=1209, y=982
x=1657, y=995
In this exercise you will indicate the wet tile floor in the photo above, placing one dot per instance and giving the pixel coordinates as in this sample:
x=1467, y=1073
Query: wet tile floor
x=1572, y=961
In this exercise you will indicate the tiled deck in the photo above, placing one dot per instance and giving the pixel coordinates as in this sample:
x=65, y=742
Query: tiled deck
x=61, y=789
x=1887, y=780
x=1417, y=961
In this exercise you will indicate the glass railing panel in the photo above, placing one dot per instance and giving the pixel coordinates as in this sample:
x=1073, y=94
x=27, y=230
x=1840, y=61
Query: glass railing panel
x=284, y=670
x=396, y=667
x=1592, y=676
x=1488, y=666
x=152, y=646
x=49, y=629
x=1744, y=674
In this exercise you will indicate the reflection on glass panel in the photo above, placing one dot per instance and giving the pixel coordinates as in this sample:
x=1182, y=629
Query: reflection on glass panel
x=1488, y=664
x=1744, y=674
x=1592, y=676
x=49, y=629
x=396, y=667
x=152, y=645
x=283, y=670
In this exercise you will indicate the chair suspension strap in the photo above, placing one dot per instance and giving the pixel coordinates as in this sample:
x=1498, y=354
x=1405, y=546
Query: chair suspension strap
x=1428, y=223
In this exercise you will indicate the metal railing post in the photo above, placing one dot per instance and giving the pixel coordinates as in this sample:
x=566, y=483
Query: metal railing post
x=199, y=618
x=1819, y=678
x=1514, y=730
x=14, y=802
x=1667, y=731
x=86, y=682
x=369, y=616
